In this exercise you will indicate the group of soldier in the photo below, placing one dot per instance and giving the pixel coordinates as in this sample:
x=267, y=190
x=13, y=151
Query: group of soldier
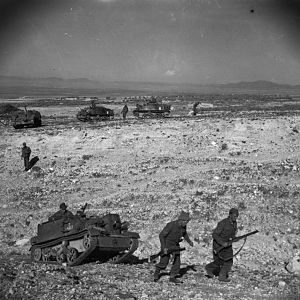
x=174, y=232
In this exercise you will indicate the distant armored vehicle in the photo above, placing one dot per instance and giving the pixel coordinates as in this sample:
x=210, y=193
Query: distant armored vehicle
x=18, y=118
x=27, y=118
x=94, y=112
x=151, y=108
x=80, y=238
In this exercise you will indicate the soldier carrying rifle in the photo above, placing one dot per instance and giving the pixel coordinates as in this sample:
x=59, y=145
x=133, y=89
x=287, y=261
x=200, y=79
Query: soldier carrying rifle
x=170, y=237
x=223, y=237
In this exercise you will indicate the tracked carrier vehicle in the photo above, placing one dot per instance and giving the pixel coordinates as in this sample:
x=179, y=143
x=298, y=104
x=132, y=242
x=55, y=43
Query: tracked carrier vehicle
x=27, y=118
x=95, y=113
x=80, y=239
x=152, y=109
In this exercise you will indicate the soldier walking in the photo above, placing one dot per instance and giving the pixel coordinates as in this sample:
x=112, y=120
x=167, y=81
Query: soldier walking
x=222, y=247
x=125, y=111
x=195, y=108
x=26, y=151
x=170, y=237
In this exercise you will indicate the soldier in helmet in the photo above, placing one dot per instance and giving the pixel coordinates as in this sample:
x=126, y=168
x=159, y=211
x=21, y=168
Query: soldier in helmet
x=62, y=213
x=26, y=151
x=222, y=237
x=125, y=111
x=170, y=237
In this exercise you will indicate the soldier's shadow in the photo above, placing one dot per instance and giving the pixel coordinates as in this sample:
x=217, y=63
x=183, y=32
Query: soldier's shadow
x=33, y=162
x=182, y=271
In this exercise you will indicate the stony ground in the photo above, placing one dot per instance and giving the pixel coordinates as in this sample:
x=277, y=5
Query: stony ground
x=148, y=171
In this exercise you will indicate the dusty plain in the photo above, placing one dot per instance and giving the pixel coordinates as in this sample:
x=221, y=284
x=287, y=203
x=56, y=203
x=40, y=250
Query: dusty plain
x=148, y=171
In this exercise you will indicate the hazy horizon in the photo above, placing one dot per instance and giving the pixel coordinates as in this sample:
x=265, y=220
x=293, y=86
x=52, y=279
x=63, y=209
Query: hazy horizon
x=84, y=79
x=168, y=41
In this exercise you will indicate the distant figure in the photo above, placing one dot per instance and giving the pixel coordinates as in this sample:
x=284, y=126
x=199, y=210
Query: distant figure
x=125, y=111
x=93, y=104
x=170, y=237
x=195, y=108
x=62, y=213
x=26, y=151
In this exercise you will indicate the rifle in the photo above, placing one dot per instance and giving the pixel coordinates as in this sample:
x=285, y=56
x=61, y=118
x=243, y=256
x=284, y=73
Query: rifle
x=236, y=239
x=161, y=253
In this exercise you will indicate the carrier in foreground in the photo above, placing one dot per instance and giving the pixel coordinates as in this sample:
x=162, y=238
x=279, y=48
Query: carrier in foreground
x=79, y=239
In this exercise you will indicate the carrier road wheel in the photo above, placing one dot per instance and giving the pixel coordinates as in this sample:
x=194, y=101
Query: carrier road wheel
x=61, y=257
x=36, y=254
x=72, y=255
x=46, y=254
x=87, y=241
x=83, y=117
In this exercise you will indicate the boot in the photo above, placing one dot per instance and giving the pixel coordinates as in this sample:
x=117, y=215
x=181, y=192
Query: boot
x=174, y=280
x=224, y=279
x=223, y=275
x=156, y=275
x=209, y=272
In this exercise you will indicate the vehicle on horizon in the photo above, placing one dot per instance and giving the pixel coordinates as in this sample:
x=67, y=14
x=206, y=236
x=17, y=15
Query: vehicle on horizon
x=27, y=118
x=152, y=108
x=18, y=118
x=80, y=239
x=94, y=112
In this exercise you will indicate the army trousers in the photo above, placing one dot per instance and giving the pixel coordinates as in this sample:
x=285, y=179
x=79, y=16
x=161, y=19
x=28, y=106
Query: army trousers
x=164, y=261
x=26, y=162
x=221, y=264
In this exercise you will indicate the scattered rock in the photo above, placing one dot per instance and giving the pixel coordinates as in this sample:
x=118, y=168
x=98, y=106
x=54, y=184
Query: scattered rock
x=22, y=242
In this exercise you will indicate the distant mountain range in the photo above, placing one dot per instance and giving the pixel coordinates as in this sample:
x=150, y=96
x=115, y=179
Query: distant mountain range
x=259, y=84
x=55, y=85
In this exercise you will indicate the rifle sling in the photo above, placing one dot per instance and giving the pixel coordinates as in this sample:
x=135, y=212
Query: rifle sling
x=226, y=259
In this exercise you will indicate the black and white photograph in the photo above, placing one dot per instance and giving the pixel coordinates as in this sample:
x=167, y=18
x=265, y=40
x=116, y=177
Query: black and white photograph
x=150, y=149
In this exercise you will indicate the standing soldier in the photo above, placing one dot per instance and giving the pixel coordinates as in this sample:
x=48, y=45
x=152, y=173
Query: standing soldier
x=125, y=111
x=93, y=104
x=26, y=151
x=170, y=237
x=195, y=108
x=222, y=247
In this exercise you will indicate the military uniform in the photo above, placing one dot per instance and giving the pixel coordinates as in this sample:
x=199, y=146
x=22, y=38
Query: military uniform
x=170, y=237
x=223, y=260
x=195, y=108
x=124, y=111
x=26, y=151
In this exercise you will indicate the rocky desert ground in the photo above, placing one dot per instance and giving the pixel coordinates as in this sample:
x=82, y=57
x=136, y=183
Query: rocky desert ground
x=148, y=171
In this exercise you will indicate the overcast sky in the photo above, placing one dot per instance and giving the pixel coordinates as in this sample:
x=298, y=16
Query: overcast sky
x=191, y=41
